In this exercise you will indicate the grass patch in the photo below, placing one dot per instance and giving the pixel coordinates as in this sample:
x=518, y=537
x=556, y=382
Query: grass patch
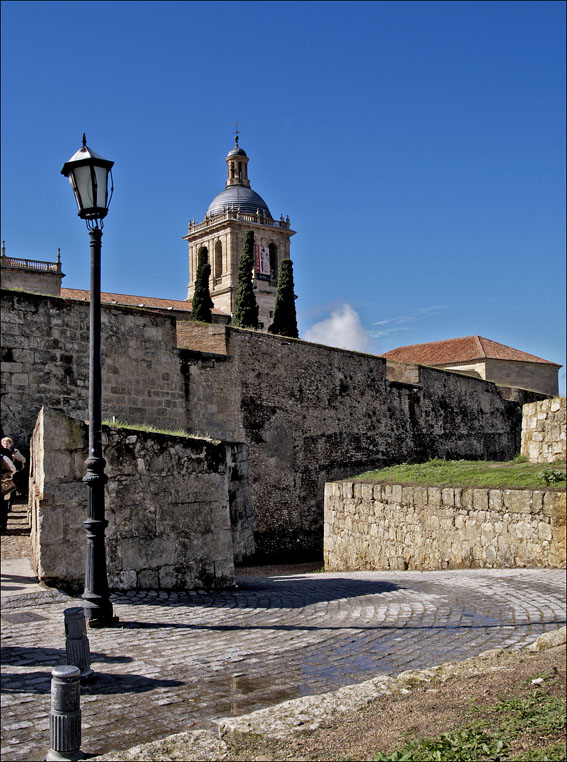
x=527, y=729
x=115, y=423
x=517, y=473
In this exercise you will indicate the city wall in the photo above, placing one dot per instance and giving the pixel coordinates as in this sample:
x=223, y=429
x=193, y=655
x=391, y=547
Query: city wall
x=390, y=526
x=312, y=414
x=308, y=413
x=543, y=430
x=45, y=350
x=178, y=508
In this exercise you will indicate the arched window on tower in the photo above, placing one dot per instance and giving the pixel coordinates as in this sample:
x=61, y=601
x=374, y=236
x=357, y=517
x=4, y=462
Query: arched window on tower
x=273, y=262
x=232, y=170
x=218, y=262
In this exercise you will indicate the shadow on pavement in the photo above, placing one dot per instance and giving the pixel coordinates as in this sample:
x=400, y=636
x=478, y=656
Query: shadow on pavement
x=102, y=683
x=262, y=592
x=448, y=627
x=50, y=657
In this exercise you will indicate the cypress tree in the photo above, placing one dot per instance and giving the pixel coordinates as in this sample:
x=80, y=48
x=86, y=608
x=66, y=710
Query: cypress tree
x=202, y=302
x=285, y=320
x=246, y=308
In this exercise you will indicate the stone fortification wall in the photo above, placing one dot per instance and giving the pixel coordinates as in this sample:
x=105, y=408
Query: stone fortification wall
x=311, y=414
x=543, y=430
x=308, y=413
x=390, y=526
x=178, y=508
x=45, y=349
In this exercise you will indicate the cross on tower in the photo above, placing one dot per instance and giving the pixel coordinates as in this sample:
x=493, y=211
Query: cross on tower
x=236, y=130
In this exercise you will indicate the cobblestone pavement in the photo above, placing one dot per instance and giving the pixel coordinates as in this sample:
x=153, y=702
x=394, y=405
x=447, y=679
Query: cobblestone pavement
x=176, y=660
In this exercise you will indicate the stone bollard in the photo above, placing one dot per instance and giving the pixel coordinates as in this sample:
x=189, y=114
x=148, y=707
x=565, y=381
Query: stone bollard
x=77, y=642
x=65, y=716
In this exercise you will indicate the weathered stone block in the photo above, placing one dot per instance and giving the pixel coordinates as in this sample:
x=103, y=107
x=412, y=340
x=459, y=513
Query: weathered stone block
x=480, y=499
x=495, y=500
x=518, y=501
x=434, y=496
x=148, y=579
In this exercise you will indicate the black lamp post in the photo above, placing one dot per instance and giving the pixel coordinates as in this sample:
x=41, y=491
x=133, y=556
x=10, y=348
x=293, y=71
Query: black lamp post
x=88, y=175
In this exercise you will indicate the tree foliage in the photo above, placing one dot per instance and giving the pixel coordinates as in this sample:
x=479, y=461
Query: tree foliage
x=202, y=302
x=285, y=319
x=246, y=308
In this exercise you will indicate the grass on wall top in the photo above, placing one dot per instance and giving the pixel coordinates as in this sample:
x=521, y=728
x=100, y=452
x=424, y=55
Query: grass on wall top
x=517, y=473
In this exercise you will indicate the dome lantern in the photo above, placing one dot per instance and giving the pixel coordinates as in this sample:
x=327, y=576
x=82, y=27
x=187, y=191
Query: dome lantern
x=237, y=191
x=237, y=166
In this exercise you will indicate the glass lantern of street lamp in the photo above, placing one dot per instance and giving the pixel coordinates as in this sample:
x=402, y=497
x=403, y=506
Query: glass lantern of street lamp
x=88, y=174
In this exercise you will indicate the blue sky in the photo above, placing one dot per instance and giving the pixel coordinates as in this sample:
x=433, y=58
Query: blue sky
x=418, y=148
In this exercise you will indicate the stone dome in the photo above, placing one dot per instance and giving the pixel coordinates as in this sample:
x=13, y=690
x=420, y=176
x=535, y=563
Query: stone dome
x=238, y=196
x=236, y=151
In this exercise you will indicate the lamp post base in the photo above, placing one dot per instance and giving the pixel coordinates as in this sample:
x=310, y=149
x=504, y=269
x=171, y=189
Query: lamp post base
x=99, y=613
x=94, y=624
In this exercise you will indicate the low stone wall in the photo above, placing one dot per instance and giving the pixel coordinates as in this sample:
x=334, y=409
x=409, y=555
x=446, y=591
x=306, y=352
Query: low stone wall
x=390, y=526
x=543, y=430
x=179, y=508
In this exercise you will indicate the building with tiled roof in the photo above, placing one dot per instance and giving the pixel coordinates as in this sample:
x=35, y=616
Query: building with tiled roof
x=43, y=277
x=180, y=309
x=483, y=358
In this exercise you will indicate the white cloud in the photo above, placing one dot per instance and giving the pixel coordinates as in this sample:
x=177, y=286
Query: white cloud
x=386, y=332
x=418, y=314
x=342, y=329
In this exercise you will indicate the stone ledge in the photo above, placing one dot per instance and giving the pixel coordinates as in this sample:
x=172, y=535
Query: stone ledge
x=49, y=595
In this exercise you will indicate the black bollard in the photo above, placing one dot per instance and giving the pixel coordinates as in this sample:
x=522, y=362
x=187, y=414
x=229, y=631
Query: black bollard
x=65, y=716
x=77, y=642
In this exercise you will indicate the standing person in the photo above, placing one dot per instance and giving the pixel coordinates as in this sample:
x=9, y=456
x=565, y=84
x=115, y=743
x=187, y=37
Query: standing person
x=12, y=460
x=7, y=470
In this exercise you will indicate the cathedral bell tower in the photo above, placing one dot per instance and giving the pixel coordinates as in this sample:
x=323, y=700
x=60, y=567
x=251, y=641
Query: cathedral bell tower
x=230, y=215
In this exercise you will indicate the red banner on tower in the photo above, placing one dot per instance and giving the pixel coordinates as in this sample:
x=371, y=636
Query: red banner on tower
x=262, y=254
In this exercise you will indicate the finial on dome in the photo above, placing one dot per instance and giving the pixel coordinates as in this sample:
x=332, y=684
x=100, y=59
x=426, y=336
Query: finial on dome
x=236, y=132
x=84, y=139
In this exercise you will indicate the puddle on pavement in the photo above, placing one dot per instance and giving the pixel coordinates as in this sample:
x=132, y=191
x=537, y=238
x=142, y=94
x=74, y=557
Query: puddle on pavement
x=246, y=694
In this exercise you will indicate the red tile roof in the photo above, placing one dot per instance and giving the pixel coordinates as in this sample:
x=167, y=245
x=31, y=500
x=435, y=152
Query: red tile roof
x=132, y=301
x=465, y=349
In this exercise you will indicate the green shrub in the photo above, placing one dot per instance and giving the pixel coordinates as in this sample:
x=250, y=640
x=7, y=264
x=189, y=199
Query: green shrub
x=246, y=308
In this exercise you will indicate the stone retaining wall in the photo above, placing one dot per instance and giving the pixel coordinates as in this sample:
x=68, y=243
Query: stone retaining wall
x=178, y=508
x=391, y=526
x=543, y=430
